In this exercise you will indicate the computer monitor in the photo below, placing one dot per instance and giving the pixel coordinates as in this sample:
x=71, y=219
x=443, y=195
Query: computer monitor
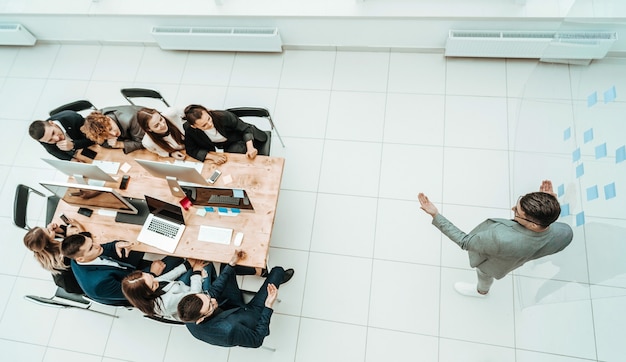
x=218, y=197
x=179, y=172
x=90, y=196
x=80, y=171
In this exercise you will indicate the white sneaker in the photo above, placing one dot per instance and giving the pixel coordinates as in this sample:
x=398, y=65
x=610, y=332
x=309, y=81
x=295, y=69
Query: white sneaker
x=468, y=290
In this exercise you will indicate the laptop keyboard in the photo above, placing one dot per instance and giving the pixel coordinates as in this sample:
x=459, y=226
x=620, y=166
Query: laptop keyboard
x=162, y=228
x=222, y=199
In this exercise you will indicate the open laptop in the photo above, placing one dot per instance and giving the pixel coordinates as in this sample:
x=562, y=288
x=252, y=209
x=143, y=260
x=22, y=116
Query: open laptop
x=164, y=226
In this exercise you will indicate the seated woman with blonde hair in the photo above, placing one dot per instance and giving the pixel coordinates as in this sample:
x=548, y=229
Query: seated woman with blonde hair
x=164, y=132
x=46, y=246
x=159, y=296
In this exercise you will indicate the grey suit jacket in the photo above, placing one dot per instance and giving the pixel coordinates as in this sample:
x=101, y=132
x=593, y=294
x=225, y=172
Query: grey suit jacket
x=498, y=246
x=126, y=118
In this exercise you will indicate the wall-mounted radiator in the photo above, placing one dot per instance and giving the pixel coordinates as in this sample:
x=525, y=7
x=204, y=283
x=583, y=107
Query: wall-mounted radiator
x=15, y=34
x=529, y=44
x=218, y=38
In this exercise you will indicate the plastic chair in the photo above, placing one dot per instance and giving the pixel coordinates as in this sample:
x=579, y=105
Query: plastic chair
x=63, y=299
x=129, y=93
x=75, y=106
x=257, y=112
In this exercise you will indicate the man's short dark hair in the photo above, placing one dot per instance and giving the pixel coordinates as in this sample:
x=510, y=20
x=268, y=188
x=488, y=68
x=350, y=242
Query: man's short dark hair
x=37, y=129
x=189, y=308
x=541, y=207
x=71, y=245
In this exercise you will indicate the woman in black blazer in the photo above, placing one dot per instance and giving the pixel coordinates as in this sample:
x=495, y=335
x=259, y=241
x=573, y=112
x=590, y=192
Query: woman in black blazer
x=206, y=130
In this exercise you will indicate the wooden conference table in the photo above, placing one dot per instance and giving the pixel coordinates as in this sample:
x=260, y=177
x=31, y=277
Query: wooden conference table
x=260, y=178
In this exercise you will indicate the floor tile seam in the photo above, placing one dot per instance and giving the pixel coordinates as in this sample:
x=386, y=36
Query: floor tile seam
x=11, y=290
x=178, y=85
x=71, y=350
x=406, y=262
x=510, y=174
x=475, y=342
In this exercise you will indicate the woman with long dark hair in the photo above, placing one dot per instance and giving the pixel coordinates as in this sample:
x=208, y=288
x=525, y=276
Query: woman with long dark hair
x=164, y=133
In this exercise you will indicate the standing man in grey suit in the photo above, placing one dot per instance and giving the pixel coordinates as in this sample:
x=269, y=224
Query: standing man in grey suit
x=498, y=246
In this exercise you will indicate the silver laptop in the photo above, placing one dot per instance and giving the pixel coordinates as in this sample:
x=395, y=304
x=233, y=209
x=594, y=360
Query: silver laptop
x=164, y=226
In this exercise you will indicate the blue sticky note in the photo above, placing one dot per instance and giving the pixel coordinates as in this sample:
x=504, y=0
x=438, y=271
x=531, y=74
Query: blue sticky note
x=592, y=99
x=588, y=136
x=601, y=151
x=560, y=190
x=238, y=193
x=620, y=154
x=580, y=170
x=235, y=211
x=576, y=155
x=209, y=208
x=222, y=209
x=564, y=210
x=592, y=193
x=610, y=95
x=567, y=134
x=609, y=191
x=580, y=218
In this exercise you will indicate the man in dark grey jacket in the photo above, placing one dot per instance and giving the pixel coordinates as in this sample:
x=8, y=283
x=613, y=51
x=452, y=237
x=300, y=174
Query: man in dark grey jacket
x=498, y=246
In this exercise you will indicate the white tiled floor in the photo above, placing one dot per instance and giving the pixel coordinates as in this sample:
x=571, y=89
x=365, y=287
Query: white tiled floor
x=364, y=132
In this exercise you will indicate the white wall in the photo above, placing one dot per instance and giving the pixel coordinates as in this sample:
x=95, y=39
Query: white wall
x=416, y=24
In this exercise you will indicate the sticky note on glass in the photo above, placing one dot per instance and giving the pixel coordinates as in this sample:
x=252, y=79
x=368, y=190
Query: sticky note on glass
x=592, y=99
x=238, y=193
x=576, y=155
x=609, y=191
x=620, y=154
x=592, y=193
x=567, y=134
x=580, y=170
x=560, y=190
x=588, y=135
x=610, y=95
x=601, y=151
x=580, y=218
x=564, y=210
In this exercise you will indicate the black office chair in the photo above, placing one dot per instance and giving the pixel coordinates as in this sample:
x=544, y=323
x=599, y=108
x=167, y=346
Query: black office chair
x=20, y=205
x=129, y=93
x=257, y=112
x=63, y=299
x=163, y=320
x=75, y=106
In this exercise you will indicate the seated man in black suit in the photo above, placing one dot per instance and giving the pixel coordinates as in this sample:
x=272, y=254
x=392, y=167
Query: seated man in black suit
x=220, y=317
x=206, y=130
x=60, y=134
x=99, y=269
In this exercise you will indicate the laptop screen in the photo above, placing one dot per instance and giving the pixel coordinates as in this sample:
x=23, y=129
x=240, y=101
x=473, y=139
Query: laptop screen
x=165, y=210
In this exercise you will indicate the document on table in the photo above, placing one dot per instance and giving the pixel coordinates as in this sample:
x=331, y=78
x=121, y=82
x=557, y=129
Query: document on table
x=107, y=166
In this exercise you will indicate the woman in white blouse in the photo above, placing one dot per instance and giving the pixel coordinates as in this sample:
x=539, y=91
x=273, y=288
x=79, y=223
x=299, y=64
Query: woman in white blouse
x=164, y=132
